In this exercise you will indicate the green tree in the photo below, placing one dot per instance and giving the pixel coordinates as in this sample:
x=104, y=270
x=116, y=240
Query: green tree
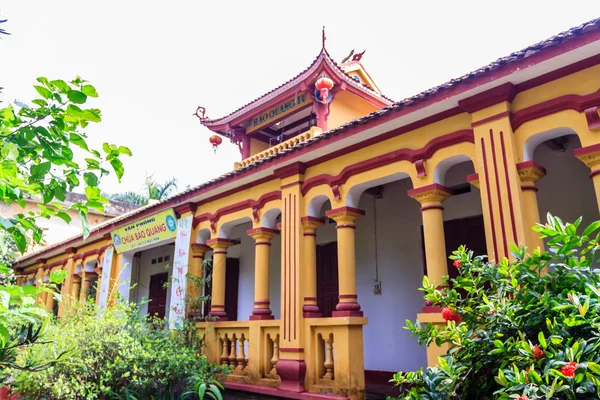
x=151, y=190
x=524, y=329
x=44, y=154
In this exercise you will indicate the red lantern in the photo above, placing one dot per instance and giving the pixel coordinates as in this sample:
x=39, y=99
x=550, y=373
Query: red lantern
x=215, y=141
x=324, y=85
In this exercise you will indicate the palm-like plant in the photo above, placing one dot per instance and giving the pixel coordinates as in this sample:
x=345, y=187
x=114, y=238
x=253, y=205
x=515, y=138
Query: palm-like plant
x=151, y=190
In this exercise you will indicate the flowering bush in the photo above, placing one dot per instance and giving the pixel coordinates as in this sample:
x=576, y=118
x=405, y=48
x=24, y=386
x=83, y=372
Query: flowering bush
x=524, y=329
x=117, y=354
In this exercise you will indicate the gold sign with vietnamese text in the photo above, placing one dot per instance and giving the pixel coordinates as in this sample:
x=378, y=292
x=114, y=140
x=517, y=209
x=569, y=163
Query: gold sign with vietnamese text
x=143, y=232
x=269, y=116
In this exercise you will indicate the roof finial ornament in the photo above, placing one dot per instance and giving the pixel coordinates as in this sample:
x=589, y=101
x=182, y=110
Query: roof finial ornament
x=200, y=113
x=324, y=37
x=348, y=57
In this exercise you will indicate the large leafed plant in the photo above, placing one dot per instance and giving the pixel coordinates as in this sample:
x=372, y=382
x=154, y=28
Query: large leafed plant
x=523, y=329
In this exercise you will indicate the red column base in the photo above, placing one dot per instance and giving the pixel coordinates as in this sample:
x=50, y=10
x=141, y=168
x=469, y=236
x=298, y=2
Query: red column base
x=312, y=315
x=292, y=374
x=219, y=314
x=311, y=311
x=260, y=317
x=347, y=313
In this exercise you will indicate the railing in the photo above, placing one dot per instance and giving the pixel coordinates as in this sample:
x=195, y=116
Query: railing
x=249, y=348
x=334, y=355
x=312, y=132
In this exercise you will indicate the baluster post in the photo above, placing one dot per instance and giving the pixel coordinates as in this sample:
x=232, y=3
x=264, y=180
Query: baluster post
x=232, y=354
x=328, y=358
x=225, y=352
x=275, y=357
x=241, y=356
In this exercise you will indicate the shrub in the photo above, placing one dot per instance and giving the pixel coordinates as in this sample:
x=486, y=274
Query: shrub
x=523, y=329
x=116, y=353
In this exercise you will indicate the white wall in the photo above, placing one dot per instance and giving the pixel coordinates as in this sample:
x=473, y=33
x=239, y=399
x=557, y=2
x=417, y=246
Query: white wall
x=245, y=252
x=400, y=268
x=144, y=269
x=566, y=191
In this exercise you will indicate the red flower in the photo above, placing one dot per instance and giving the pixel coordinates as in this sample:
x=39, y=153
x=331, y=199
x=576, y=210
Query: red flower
x=569, y=369
x=450, y=315
x=457, y=263
x=527, y=376
x=538, y=353
x=523, y=398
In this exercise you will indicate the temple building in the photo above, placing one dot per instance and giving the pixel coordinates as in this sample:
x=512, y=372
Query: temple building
x=342, y=200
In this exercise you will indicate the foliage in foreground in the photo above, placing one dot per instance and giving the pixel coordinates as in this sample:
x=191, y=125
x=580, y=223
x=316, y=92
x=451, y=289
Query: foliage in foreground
x=515, y=331
x=117, y=354
x=24, y=324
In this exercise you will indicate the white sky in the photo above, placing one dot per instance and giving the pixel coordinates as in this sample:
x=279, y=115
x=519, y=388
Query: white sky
x=153, y=62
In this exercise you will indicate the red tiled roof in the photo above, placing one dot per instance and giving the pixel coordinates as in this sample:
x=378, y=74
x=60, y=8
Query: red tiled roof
x=322, y=57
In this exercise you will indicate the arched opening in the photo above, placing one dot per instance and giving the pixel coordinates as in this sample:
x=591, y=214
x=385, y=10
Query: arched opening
x=566, y=191
x=202, y=236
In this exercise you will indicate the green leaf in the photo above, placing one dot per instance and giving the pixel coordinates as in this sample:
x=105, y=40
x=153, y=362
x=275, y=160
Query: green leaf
x=216, y=392
x=92, y=192
x=201, y=390
x=125, y=150
x=10, y=151
x=39, y=171
x=76, y=96
x=64, y=216
x=542, y=340
x=58, y=276
x=20, y=239
x=45, y=93
x=30, y=290
x=61, y=85
x=90, y=179
x=79, y=141
x=118, y=168
x=591, y=228
x=85, y=225
x=89, y=90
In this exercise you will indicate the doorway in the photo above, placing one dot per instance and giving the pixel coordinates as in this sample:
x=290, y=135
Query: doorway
x=327, y=278
x=158, y=295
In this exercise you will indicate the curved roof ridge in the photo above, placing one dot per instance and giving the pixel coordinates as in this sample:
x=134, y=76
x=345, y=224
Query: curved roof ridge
x=323, y=55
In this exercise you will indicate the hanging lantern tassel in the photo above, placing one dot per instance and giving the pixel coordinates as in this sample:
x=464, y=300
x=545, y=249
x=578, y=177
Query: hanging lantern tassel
x=215, y=141
x=324, y=85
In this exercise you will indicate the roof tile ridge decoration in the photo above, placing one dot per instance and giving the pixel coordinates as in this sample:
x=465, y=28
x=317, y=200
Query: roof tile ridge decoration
x=359, y=85
x=515, y=56
x=293, y=82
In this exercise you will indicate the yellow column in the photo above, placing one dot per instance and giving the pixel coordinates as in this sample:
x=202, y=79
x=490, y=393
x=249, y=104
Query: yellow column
x=431, y=197
x=86, y=284
x=345, y=217
x=195, y=270
x=50, y=301
x=115, y=274
x=217, y=307
x=262, y=245
x=98, y=272
x=39, y=280
x=67, y=301
x=310, y=308
x=590, y=156
x=530, y=173
x=76, y=287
